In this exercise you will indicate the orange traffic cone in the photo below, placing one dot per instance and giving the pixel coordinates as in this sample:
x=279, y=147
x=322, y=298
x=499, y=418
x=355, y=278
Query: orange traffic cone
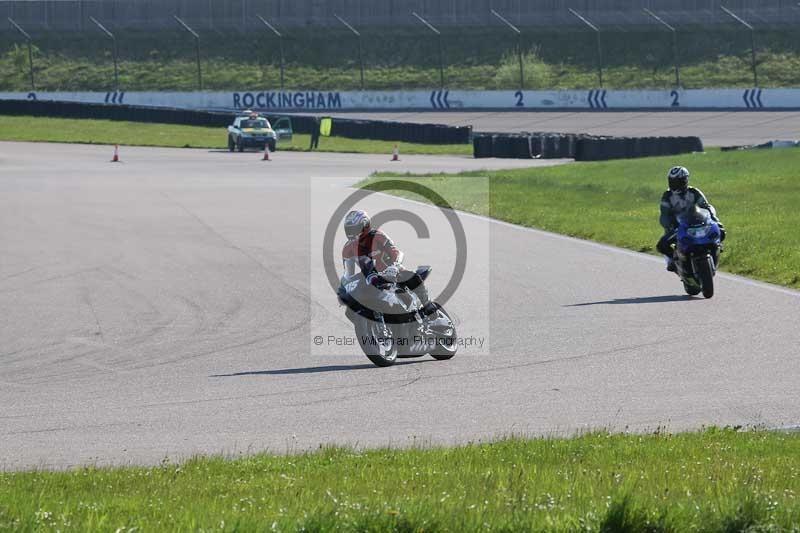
x=395, y=154
x=116, y=159
x=266, y=153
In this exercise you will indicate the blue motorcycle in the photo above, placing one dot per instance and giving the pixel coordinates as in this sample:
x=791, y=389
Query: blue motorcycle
x=699, y=243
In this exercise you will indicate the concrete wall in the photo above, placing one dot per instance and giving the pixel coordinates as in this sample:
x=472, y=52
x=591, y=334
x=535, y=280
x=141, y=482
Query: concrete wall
x=599, y=100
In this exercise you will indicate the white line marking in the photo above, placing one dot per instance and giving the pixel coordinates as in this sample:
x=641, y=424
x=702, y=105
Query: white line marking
x=601, y=246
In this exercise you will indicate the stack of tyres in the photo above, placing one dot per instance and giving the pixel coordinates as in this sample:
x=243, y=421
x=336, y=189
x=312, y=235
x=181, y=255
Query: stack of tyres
x=522, y=146
x=432, y=134
x=589, y=148
x=518, y=147
x=639, y=147
x=567, y=150
x=549, y=146
x=597, y=148
x=482, y=146
x=684, y=145
x=617, y=148
x=691, y=144
x=509, y=147
x=672, y=146
x=583, y=148
x=535, y=143
x=501, y=146
x=631, y=147
x=649, y=147
x=663, y=146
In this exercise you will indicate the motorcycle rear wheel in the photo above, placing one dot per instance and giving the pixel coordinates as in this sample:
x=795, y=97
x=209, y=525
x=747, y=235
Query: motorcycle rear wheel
x=370, y=333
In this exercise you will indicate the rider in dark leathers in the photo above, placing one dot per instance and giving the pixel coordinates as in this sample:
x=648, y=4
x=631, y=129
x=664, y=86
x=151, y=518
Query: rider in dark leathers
x=677, y=200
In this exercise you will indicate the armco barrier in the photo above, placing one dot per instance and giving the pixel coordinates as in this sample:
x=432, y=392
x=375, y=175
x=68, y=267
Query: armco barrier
x=580, y=147
x=354, y=129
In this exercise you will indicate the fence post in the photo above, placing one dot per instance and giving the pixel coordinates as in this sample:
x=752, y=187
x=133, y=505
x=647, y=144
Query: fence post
x=360, y=53
x=197, y=43
x=114, y=44
x=30, y=49
x=674, y=45
x=280, y=44
x=599, y=44
x=441, y=52
x=752, y=41
x=519, y=47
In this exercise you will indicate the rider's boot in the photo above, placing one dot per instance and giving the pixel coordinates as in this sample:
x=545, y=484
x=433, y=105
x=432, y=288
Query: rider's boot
x=428, y=307
x=670, y=264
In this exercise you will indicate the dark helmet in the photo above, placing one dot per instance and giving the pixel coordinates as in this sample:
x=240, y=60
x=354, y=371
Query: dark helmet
x=355, y=223
x=678, y=178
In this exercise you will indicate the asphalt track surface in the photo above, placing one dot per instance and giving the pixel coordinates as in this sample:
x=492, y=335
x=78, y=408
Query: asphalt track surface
x=164, y=307
x=715, y=128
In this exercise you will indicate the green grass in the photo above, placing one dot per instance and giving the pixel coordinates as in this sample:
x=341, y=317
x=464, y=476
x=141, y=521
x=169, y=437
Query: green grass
x=617, y=202
x=717, y=480
x=92, y=131
x=475, y=58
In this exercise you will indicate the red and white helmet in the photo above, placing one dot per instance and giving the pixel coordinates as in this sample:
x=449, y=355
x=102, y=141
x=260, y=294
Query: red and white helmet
x=355, y=223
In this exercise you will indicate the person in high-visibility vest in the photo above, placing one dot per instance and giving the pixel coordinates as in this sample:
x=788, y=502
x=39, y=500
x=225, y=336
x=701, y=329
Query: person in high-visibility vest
x=325, y=126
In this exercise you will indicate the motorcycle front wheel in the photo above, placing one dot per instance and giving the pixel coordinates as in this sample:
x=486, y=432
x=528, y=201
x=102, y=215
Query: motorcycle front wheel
x=376, y=344
x=446, y=345
x=705, y=271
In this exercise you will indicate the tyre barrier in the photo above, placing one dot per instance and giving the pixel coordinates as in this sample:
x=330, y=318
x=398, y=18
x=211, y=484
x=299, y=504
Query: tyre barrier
x=383, y=130
x=482, y=147
x=355, y=129
x=162, y=115
x=546, y=145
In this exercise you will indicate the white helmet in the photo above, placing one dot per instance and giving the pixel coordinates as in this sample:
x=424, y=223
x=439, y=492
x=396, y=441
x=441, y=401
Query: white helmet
x=678, y=178
x=355, y=223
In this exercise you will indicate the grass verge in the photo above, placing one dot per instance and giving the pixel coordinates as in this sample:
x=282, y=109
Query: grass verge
x=716, y=480
x=617, y=202
x=90, y=131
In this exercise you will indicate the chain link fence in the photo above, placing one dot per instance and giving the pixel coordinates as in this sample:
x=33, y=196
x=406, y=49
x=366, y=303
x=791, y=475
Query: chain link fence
x=55, y=45
x=240, y=14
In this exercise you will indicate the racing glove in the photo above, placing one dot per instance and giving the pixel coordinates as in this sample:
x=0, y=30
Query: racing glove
x=377, y=281
x=390, y=273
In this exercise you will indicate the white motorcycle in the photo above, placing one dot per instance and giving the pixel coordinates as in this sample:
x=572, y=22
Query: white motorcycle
x=391, y=321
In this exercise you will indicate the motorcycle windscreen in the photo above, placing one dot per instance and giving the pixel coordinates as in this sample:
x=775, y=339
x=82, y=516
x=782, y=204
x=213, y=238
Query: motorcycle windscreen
x=696, y=216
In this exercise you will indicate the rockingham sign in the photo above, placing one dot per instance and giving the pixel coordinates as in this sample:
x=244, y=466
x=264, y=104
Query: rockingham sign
x=287, y=100
x=592, y=99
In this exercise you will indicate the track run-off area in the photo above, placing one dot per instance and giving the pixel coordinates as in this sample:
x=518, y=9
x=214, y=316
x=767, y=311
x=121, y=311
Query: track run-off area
x=165, y=306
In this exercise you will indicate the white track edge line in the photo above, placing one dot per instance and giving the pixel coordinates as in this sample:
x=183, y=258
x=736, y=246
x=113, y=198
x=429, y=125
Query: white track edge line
x=732, y=277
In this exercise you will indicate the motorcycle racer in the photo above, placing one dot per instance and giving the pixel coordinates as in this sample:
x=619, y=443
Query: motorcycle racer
x=679, y=199
x=379, y=260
